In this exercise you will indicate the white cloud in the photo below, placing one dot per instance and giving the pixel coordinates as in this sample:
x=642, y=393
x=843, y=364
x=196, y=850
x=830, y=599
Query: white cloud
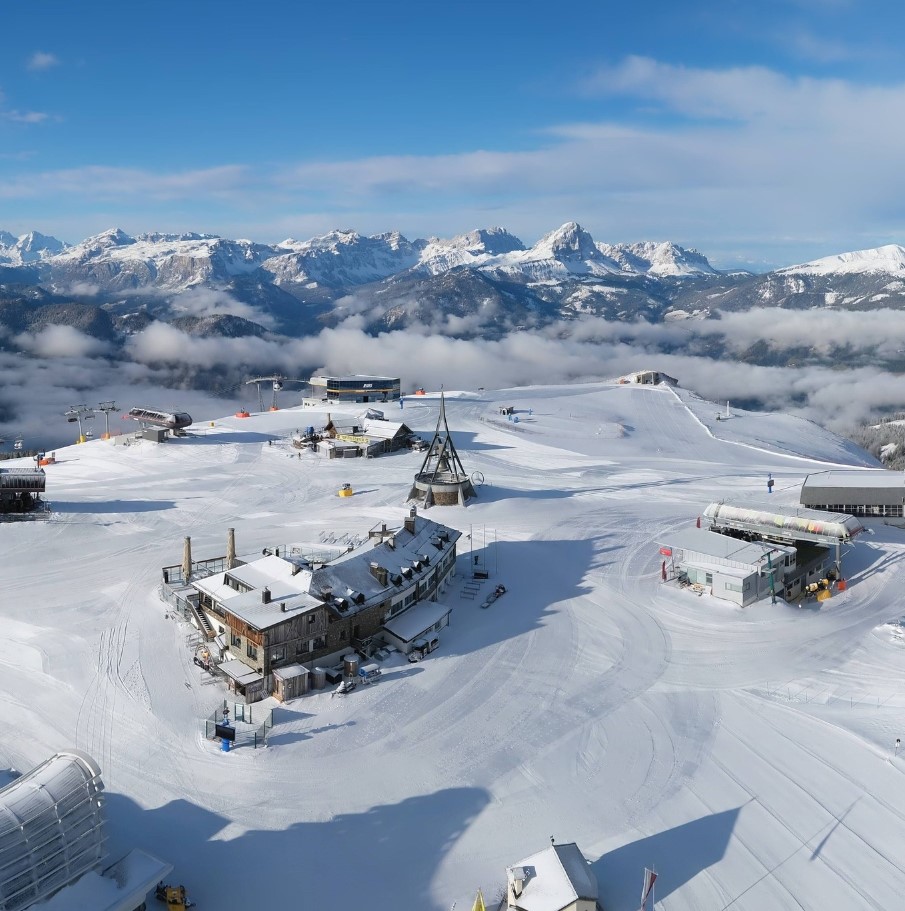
x=61, y=341
x=24, y=116
x=744, y=163
x=42, y=60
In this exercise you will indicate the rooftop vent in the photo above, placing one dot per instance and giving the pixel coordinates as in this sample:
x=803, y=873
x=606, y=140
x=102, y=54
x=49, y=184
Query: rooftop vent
x=265, y=595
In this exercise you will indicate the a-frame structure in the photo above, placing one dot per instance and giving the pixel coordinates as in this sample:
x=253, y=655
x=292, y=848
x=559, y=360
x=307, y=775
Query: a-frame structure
x=442, y=478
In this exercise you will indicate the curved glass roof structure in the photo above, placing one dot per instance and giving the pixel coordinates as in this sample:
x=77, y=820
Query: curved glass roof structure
x=51, y=829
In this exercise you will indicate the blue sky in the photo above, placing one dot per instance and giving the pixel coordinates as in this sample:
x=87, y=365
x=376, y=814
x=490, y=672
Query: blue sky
x=761, y=133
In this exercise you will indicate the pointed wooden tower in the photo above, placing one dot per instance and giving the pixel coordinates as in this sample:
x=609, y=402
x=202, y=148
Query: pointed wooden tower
x=442, y=479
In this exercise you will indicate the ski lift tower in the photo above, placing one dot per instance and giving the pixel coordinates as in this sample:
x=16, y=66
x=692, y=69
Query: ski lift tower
x=277, y=381
x=106, y=408
x=442, y=479
x=75, y=415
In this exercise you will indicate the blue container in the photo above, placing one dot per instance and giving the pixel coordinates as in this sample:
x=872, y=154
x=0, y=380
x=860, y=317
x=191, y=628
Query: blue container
x=224, y=744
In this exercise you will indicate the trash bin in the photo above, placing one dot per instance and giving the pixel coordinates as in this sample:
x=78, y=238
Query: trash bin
x=224, y=744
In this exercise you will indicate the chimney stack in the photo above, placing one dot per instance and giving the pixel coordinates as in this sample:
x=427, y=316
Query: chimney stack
x=230, y=548
x=410, y=520
x=187, y=559
x=265, y=595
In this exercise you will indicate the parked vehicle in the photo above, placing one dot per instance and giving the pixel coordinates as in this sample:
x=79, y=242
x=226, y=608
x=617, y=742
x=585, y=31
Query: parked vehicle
x=369, y=673
x=422, y=647
x=345, y=687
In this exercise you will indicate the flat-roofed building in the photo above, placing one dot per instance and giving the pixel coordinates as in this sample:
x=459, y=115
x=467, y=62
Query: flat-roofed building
x=730, y=568
x=868, y=492
x=356, y=388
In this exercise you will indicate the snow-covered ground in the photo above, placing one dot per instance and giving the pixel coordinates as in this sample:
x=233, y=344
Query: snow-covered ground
x=747, y=754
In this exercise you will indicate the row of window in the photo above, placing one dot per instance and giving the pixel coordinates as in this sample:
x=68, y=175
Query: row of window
x=864, y=509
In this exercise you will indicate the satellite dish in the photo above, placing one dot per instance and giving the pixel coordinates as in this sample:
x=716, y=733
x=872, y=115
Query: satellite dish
x=277, y=386
x=477, y=478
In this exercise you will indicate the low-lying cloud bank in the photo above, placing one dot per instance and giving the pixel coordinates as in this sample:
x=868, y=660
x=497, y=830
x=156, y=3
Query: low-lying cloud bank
x=167, y=368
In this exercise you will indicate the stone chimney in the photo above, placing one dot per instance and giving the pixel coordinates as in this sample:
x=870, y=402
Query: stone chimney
x=230, y=548
x=410, y=520
x=187, y=559
x=380, y=573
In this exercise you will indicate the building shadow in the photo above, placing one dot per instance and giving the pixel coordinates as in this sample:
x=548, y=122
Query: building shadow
x=557, y=567
x=384, y=857
x=677, y=855
x=111, y=506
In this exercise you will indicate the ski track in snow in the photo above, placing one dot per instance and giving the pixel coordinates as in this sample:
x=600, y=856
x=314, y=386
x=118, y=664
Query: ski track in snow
x=592, y=701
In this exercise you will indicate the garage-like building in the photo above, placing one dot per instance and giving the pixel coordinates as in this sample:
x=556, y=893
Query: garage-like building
x=869, y=492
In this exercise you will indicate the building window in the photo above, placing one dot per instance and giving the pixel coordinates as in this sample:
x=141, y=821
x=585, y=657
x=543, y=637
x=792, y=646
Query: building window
x=251, y=651
x=235, y=641
x=311, y=619
x=277, y=655
x=708, y=578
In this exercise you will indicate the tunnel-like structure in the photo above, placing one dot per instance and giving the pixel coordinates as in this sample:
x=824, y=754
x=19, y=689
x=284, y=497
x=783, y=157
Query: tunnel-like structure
x=51, y=829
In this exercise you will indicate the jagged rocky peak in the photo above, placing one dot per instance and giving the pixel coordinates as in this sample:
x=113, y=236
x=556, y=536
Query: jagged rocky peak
x=664, y=258
x=569, y=243
x=493, y=241
x=7, y=239
x=113, y=237
x=156, y=237
x=35, y=242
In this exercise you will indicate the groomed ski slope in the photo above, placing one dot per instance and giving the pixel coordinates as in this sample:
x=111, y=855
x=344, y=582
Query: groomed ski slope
x=747, y=754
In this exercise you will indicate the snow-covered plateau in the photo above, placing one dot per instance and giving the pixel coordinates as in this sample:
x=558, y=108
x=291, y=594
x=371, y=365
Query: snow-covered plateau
x=746, y=754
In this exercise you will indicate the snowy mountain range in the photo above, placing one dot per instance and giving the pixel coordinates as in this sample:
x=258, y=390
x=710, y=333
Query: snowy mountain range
x=341, y=259
x=485, y=283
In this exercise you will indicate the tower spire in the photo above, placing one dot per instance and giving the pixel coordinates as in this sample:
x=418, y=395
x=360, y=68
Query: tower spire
x=442, y=478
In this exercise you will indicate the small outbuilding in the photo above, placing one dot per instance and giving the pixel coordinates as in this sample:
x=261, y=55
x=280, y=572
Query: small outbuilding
x=416, y=623
x=729, y=568
x=556, y=879
x=290, y=682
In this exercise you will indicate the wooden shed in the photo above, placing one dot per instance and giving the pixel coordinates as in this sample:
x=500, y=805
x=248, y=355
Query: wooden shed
x=289, y=682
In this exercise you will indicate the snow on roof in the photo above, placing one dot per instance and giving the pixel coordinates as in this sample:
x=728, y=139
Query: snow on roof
x=417, y=619
x=385, y=430
x=250, y=607
x=122, y=887
x=868, y=477
x=557, y=877
x=724, y=547
x=240, y=672
x=353, y=570
x=290, y=671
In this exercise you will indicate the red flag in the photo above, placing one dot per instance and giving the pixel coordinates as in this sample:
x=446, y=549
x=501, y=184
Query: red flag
x=649, y=879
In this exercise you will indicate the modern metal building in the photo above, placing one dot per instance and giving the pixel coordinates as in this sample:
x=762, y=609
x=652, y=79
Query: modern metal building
x=356, y=388
x=818, y=537
x=870, y=492
x=730, y=568
x=51, y=829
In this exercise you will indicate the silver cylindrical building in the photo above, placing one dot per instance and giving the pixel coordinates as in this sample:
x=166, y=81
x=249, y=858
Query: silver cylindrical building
x=51, y=828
